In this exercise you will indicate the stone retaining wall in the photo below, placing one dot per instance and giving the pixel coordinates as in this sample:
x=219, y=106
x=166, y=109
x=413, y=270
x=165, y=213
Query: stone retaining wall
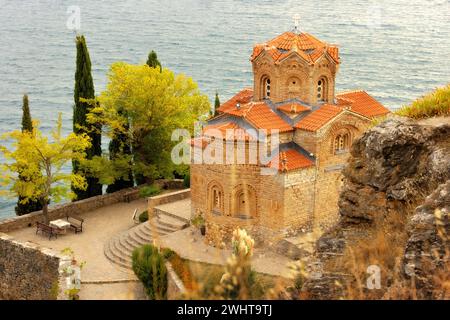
x=175, y=287
x=167, y=198
x=75, y=208
x=28, y=271
x=78, y=207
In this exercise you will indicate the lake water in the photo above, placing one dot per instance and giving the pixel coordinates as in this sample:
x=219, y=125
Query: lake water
x=396, y=50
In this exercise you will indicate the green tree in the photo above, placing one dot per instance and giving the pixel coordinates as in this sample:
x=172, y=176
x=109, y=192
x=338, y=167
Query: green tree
x=119, y=147
x=27, y=126
x=146, y=105
x=149, y=266
x=84, y=89
x=152, y=60
x=216, y=104
x=42, y=179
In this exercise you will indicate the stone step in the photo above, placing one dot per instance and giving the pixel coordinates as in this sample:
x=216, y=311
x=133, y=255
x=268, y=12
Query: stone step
x=118, y=252
x=168, y=221
x=115, y=257
x=119, y=249
x=158, y=229
x=138, y=238
x=124, y=243
x=159, y=212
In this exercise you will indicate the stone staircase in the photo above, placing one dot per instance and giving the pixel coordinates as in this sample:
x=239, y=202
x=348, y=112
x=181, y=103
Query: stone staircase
x=120, y=248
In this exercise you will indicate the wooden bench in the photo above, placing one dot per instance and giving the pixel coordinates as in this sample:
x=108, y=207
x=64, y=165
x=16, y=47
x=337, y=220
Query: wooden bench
x=47, y=229
x=76, y=223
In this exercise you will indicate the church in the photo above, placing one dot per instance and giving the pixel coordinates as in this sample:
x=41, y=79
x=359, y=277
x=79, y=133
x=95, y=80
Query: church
x=293, y=95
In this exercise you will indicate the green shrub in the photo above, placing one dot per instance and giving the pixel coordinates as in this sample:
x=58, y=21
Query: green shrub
x=149, y=191
x=148, y=265
x=167, y=253
x=187, y=180
x=198, y=221
x=434, y=104
x=143, y=216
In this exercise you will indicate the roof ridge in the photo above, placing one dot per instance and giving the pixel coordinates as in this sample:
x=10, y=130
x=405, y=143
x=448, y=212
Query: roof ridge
x=350, y=91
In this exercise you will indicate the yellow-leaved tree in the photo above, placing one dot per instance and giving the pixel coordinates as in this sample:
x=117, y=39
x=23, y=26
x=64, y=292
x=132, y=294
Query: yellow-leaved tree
x=141, y=107
x=40, y=161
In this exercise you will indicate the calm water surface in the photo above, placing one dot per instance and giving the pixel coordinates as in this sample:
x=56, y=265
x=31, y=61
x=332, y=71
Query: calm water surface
x=396, y=50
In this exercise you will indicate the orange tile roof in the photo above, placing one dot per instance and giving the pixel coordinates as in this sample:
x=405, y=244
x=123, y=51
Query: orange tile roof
x=318, y=118
x=258, y=114
x=243, y=97
x=228, y=130
x=293, y=107
x=361, y=102
x=261, y=116
x=304, y=44
x=291, y=160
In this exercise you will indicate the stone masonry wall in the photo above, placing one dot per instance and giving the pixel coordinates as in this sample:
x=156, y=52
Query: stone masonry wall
x=77, y=207
x=27, y=271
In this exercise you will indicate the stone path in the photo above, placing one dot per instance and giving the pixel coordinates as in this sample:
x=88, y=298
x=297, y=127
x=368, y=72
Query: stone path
x=189, y=244
x=99, y=226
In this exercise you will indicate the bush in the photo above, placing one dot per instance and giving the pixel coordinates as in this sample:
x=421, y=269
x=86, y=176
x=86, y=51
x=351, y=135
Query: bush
x=167, y=253
x=149, y=191
x=148, y=265
x=143, y=216
x=187, y=180
x=434, y=104
x=198, y=221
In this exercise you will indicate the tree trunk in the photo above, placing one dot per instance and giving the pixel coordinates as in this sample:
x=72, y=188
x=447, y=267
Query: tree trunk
x=45, y=211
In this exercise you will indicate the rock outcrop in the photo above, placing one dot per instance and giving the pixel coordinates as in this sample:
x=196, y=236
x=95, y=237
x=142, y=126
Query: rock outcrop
x=428, y=248
x=392, y=169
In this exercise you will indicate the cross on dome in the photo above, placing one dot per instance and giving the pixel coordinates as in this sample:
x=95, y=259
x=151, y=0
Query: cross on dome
x=296, y=19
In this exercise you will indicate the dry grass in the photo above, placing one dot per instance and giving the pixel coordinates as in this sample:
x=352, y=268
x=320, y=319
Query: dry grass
x=434, y=104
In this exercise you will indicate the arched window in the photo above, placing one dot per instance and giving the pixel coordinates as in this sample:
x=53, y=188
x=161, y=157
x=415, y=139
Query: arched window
x=322, y=89
x=266, y=87
x=215, y=199
x=341, y=143
x=244, y=202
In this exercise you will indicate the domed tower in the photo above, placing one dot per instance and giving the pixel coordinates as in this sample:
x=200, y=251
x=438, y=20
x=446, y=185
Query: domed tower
x=295, y=65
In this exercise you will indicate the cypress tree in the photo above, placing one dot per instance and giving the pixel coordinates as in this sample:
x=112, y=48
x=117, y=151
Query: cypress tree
x=120, y=145
x=84, y=88
x=216, y=104
x=27, y=126
x=153, y=61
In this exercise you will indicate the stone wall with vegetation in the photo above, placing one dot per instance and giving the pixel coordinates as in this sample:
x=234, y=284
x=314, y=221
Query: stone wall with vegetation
x=27, y=271
x=175, y=287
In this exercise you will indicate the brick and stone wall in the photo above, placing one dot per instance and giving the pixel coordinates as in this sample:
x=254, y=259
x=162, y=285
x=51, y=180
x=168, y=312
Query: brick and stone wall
x=293, y=78
x=27, y=271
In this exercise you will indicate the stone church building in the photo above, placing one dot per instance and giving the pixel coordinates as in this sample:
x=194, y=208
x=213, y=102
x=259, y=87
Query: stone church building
x=293, y=95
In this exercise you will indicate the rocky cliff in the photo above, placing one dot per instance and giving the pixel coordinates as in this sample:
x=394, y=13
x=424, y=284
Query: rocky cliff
x=392, y=169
